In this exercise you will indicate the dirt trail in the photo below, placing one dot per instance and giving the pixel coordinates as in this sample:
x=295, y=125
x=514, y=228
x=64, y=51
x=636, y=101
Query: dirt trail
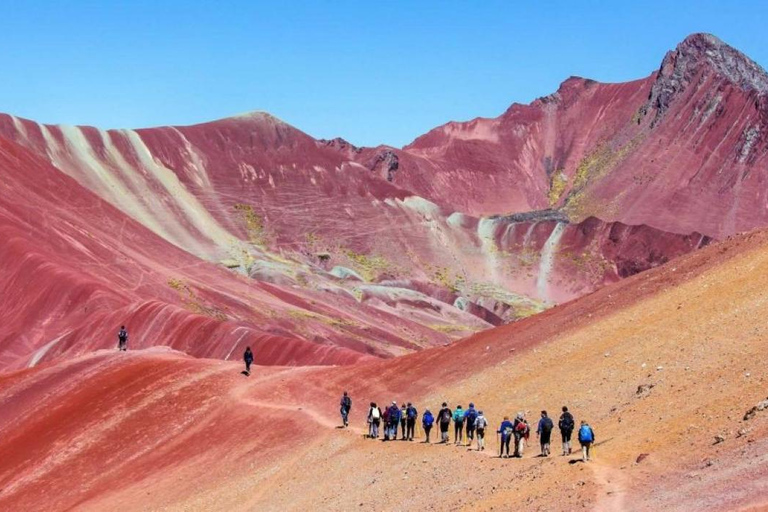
x=613, y=485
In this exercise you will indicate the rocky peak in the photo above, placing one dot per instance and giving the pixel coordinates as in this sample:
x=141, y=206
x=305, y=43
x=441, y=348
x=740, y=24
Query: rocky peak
x=703, y=53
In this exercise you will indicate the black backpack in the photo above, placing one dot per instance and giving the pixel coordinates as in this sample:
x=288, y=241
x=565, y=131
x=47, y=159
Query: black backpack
x=566, y=421
x=547, y=425
x=347, y=402
x=445, y=417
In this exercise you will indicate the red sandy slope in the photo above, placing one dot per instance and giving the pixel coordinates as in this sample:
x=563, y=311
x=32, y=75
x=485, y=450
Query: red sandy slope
x=157, y=429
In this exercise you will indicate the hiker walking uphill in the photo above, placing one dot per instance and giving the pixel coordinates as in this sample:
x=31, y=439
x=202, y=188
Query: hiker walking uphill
x=544, y=433
x=248, y=358
x=586, y=439
x=470, y=416
x=521, y=433
x=458, y=425
x=385, y=422
x=345, y=405
x=506, y=430
x=403, y=421
x=444, y=418
x=122, y=339
x=393, y=417
x=426, y=421
x=480, y=425
x=374, y=420
x=411, y=415
x=566, y=425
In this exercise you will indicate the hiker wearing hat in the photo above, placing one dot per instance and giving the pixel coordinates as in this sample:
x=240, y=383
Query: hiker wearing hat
x=470, y=416
x=480, y=425
x=444, y=419
x=521, y=433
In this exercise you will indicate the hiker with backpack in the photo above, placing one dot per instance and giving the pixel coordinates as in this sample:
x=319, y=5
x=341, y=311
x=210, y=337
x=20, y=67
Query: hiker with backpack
x=394, y=420
x=458, y=425
x=385, y=422
x=248, y=358
x=480, y=425
x=122, y=339
x=444, y=418
x=411, y=414
x=426, y=421
x=345, y=405
x=566, y=425
x=544, y=433
x=374, y=420
x=521, y=433
x=506, y=429
x=470, y=416
x=586, y=439
x=403, y=420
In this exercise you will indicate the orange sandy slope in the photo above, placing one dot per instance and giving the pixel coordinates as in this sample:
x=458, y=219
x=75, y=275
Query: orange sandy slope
x=156, y=430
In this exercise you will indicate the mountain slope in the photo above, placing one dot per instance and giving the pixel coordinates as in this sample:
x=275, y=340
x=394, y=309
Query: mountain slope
x=690, y=333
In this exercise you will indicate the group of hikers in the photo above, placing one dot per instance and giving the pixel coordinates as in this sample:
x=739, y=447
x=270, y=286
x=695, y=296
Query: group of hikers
x=469, y=426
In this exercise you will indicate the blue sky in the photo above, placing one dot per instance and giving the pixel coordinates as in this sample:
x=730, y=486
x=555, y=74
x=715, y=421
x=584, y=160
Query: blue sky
x=371, y=72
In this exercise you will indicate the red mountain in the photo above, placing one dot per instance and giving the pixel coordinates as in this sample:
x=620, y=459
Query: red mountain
x=336, y=251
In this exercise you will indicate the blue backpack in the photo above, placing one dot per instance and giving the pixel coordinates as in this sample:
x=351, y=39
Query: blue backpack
x=412, y=413
x=428, y=419
x=585, y=434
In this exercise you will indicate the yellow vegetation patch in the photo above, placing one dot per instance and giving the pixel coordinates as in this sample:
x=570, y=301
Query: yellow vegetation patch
x=254, y=224
x=192, y=302
x=557, y=185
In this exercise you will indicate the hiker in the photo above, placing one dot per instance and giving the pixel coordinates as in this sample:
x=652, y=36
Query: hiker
x=586, y=439
x=248, y=358
x=394, y=419
x=566, y=425
x=385, y=420
x=403, y=420
x=411, y=415
x=480, y=424
x=122, y=339
x=458, y=425
x=470, y=416
x=521, y=432
x=506, y=429
x=426, y=421
x=544, y=433
x=444, y=417
x=374, y=420
x=345, y=405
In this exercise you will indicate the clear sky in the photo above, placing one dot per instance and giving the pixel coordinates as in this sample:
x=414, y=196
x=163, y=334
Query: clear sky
x=371, y=72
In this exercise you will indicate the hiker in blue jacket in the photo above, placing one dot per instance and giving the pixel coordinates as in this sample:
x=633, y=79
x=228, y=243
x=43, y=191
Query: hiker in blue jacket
x=427, y=421
x=345, y=405
x=470, y=415
x=394, y=419
x=544, y=433
x=507, y=430
x=586, y=439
